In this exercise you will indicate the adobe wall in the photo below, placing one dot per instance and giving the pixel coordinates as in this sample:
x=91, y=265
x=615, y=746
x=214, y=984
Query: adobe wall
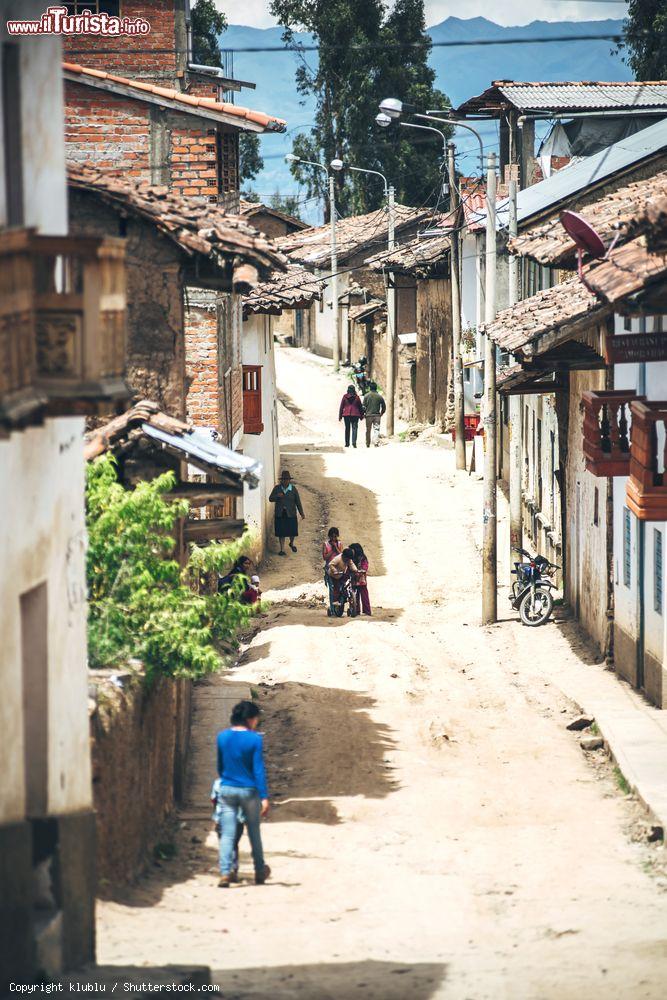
x=155, y=343
x=139, y=740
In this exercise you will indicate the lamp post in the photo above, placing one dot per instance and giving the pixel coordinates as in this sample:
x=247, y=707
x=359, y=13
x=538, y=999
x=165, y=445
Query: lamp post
x=292, y=158
x=384, y=119
x=391, y=292
x=489, y=541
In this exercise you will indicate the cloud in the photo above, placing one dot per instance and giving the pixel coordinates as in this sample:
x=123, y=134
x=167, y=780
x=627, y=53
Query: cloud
x=255, y=13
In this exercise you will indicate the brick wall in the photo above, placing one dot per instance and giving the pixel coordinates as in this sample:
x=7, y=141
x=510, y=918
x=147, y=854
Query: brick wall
x=193, y=163
x=119, y=133
x=134, y=56
x=106, y=130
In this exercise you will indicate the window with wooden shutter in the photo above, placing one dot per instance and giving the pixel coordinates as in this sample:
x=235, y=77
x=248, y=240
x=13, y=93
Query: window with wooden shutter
x=252, y=399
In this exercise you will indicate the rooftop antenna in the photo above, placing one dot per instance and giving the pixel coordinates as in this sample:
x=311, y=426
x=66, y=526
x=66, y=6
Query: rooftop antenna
x=585, y=239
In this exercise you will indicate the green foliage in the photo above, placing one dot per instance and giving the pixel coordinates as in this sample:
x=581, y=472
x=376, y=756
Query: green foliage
x=644, y=35
x=286, y=203
x=250, y=158
x=141, y=604
x=622, y=782
x=349, y=83
x=207, y=23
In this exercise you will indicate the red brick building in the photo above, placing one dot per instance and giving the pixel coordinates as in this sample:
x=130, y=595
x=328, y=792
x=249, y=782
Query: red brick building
x=140, y=106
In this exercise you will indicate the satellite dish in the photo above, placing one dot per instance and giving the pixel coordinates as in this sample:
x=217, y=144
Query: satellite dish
x=583, y=234
x=585, y=239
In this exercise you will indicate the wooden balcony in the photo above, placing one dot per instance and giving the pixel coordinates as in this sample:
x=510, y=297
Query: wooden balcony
x=646, y=491
x=607, y=431
x=62, y=325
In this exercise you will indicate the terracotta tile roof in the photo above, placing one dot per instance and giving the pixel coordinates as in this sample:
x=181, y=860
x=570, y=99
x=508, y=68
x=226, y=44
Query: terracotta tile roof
x=628, y=270
x=567, y=95
x=250, y=208
x=365, y=309
x=195, y=226
x=312, y=247
x=228, y=113
x=613, y=216
x=554, y=308
x=293, y=289
x=418, y=256
x=652, y=222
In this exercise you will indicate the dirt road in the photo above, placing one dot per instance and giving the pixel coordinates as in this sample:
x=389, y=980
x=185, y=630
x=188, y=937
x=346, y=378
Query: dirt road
x=437, y=832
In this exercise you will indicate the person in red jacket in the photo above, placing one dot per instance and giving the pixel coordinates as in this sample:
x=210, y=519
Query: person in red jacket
x=351, y=410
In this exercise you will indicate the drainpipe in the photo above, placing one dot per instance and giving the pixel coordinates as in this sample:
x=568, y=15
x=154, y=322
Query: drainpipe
x=609, y=638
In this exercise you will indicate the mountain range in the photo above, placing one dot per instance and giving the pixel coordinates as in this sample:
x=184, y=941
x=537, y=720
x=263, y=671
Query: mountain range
x=489, y=52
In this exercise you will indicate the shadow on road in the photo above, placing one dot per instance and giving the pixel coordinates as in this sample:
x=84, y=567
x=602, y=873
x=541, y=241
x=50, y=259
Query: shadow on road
x=322, y=744
x=369, y=980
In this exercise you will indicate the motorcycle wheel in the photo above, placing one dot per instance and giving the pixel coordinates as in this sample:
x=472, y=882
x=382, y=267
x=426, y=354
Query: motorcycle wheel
x=338, y=610
x=352, y=609
x=537, y=612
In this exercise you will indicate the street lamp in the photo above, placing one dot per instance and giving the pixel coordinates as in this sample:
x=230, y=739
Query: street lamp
x=292, y=158
x=391, y=293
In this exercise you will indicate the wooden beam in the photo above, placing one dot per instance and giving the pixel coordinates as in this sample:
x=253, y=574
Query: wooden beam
x=212, y=529
x=203, y=494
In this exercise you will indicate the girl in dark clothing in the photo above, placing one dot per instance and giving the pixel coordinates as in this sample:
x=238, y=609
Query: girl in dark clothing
x=351, y=410
x=361, y=579
x=287, y=500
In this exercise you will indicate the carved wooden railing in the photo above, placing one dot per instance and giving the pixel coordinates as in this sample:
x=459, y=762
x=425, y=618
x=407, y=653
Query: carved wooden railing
x=607, y=431
x=62, y=325
x=646, y=490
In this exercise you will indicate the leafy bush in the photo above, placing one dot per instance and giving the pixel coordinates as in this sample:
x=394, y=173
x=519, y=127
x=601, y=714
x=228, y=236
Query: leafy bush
x=142, y=604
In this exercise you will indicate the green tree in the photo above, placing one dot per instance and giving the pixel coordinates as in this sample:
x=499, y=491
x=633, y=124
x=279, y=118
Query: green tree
x=365, y=54
x=207, y=26
x=141, y=604
x=644, y=38
x=286, y=203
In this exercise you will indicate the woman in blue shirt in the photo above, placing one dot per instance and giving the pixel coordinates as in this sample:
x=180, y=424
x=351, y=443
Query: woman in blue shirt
x=243, y=787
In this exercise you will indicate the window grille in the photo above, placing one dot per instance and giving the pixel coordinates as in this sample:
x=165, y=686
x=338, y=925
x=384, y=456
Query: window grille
x=657, y=570
x=627, y=539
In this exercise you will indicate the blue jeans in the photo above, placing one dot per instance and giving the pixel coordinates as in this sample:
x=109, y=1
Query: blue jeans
x=330, y=588
x=231, y=800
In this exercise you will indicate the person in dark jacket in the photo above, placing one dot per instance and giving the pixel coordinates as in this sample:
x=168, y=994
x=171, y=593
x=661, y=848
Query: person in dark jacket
x=287, y=500
x=242, y=567
x=374, y=408
x=351, y=410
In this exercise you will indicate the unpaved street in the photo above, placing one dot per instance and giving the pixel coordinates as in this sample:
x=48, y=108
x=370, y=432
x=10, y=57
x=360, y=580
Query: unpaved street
x=437, y=832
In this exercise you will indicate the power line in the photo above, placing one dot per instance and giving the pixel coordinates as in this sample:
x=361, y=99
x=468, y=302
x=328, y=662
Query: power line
x=298, y=47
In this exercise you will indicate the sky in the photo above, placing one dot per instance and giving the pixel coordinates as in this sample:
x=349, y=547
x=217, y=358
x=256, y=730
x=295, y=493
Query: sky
x=256, y=12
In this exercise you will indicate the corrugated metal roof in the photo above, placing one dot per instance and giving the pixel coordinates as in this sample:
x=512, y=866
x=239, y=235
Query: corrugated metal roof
x=198, y=447
x=585, y=96
x=566, y=95
x=565, y=184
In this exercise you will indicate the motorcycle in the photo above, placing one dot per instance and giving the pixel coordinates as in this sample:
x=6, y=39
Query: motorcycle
x=347, y=596
x=360, y=377
x=531, y=592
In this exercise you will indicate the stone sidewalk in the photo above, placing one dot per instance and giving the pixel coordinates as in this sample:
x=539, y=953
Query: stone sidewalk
x=635, y=732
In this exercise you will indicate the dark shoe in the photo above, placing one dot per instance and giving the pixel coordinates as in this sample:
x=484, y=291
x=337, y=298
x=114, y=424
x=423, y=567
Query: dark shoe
x=293, y=548
x=224, y=882
x=234, y=876
x=282, y=553
x=261, y=879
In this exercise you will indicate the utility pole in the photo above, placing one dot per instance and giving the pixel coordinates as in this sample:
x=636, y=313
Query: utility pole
x=489, y=554
x=515, y=423
x=455, y=256
x=391, y=318
x=334, y=275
